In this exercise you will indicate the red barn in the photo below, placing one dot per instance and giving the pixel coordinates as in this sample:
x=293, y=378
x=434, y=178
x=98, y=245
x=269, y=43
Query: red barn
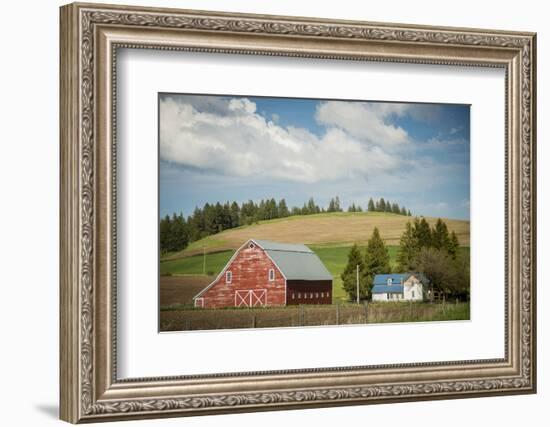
x=263, y=273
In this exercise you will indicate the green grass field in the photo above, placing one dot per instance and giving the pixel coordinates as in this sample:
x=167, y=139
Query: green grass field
x=334, y=257
x=194, y=264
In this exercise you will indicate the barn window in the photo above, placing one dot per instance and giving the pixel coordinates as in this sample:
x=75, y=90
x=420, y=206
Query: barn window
x=292, y=295
x=251, y=246
x=228, y=276
x=305, y=295
x=311, y=294
x=299, y=295
x=271, y=274
x=316, y=294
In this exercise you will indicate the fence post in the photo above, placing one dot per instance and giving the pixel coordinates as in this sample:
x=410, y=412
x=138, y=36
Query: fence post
x=411, y=309
x=253, y=320
x=443, y=303
x=366, y=311
x=337, y=313
x=302, y=316
x=188, y=324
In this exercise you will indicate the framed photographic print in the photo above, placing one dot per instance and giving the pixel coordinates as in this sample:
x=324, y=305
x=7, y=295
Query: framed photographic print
x=265, y=212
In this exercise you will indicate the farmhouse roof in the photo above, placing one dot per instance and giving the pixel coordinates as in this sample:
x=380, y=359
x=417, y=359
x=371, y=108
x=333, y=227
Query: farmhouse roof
x=382, y=289
x=397, y=279
x=296, y=262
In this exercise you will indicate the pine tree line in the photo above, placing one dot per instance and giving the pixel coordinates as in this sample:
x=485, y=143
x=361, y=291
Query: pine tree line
x=382, y=205
x=434, y=252
x=176, y=231
x=419, y=235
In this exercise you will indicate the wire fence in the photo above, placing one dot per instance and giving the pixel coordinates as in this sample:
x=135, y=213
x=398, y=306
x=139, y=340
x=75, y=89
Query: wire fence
x=314, y=315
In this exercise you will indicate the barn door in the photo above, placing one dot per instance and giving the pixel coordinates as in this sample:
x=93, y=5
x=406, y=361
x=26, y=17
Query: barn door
x=251, y=298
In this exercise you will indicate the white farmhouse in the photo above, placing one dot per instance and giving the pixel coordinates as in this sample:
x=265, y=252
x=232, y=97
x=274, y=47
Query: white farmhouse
x=399, y=287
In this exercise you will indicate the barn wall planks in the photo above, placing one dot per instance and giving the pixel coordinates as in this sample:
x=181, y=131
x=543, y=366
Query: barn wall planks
x=249, y=272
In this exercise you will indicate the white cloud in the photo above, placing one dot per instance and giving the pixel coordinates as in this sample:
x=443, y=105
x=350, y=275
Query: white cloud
x=367, y=122
x=228, y=136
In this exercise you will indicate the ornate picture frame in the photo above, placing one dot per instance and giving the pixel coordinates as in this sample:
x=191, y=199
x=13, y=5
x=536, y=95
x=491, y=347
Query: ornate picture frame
x=90, y=37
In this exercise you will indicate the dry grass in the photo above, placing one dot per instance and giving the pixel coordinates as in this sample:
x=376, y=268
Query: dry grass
x=186, y=319
x=338, y=229
x=315, y=315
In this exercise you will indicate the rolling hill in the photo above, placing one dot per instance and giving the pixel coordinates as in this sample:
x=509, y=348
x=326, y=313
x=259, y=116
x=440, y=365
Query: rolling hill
x=327, y=229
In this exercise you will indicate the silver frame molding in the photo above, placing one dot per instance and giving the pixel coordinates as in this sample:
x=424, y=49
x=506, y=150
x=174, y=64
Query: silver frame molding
x=90, y=37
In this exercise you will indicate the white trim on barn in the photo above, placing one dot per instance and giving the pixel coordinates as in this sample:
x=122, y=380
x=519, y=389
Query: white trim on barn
x=250, y=297
x=223, y=270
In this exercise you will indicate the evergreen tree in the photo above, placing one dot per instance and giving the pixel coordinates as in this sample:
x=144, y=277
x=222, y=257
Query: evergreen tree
x=371, y=207
x=388, y=207
x=337, y=207
x=271, y=211
x=235, y=214
x=358, y=208
x=312, y=207
x=408, y=247
x=440, y=235
x=349, y=276
x=381, y=205
x=178, y=237
x=409, y=213
x=403, y=211
x=377, y=258
x=196, y=224
x=453, y=244
x=164, y=233
x=422, y=233
x=331, y=206
x=352, y=208
x=395, y=208
x=283, y=209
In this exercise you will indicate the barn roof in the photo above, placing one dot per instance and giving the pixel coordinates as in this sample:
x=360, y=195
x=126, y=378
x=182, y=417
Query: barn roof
x=296, y=262
x=381, y=289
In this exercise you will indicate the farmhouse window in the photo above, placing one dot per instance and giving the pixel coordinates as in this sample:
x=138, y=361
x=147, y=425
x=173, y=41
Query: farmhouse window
x=228, y=276
x=271, y=274
x=412, y=294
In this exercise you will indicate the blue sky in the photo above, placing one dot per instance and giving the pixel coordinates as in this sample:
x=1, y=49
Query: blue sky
x=225, y=148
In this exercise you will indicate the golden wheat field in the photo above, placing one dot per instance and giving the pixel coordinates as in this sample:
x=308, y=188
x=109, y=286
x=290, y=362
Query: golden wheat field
x=338, y=229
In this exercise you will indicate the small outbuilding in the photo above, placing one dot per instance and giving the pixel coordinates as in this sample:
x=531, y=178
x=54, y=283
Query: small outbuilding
x=262, y=273
x=399, y=287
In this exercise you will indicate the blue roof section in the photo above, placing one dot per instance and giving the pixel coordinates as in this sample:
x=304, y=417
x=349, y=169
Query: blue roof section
x=397, y=279
x=382, y=279
x=382, y=289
